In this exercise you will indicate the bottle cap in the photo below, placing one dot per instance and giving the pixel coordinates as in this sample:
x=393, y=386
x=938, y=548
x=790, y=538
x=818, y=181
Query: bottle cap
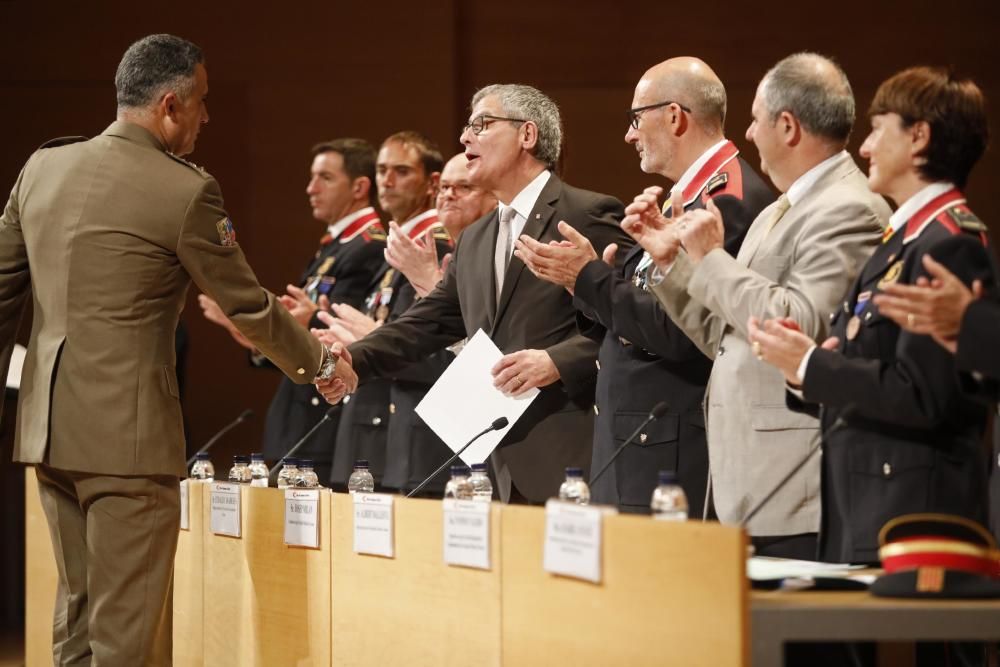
x=668, y=477
x=290, y=461
x=478, y=467
x=459, y=470
x=361, y=463
x=202, y=456
x=241, y=458
x=257, y=457
x=305, y=463
x=574, y=472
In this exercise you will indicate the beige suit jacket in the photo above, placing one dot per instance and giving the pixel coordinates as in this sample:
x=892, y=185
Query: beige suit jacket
x=801, y=269
x=107, y=235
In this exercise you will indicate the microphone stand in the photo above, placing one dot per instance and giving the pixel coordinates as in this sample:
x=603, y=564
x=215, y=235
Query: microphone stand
x=273, y=476
x=658, y=411
x=496, y=425
x=246, y=414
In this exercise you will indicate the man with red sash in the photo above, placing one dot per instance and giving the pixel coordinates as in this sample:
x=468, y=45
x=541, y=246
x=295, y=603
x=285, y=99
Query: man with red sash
x=341, y=194
x=378, y=423
x=676, y=124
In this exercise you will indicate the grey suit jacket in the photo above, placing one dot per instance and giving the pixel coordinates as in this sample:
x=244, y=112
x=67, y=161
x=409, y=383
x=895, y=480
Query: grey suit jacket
x=801, y=268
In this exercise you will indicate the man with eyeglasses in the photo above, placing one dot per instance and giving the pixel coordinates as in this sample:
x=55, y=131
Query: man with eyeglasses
x=798, y=259
x=676, y=125
x=512, y=144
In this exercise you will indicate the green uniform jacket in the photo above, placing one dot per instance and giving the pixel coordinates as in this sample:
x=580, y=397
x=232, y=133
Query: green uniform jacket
x=106, y=235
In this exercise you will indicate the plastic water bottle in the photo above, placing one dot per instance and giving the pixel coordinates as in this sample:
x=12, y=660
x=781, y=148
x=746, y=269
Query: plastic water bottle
x=458, y=487
x=240, y=472
x=289, y=471
x=574, y=489
x=306, y=479
x=258, y=471
x=482, y=487
x=669, y=502
x=361, y=479
x=203, y=470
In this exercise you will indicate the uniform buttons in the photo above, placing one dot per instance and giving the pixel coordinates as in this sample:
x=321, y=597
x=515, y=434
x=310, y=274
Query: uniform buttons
x=347, y=399
x=596, y=411
x=598, y=364
x=722, y=350
x=315, y=400
x=301, y=371
x=868, y=315
x=998, y=460
x=376, y=421
x=642, y=438
x=392, y=408
x=886, y=469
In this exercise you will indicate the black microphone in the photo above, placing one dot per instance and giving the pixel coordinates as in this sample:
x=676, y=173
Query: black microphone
x=327, y=416
x=658, y=411
x=498, y=423
x=245, y=415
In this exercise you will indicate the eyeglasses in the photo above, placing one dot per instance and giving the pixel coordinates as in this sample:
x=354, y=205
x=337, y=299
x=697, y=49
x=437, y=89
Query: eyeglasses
x=458, y=189
x=633, y=114
x=480, y=123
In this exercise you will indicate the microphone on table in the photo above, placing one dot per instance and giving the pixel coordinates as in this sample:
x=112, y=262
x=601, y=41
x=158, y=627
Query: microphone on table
x=327, y=416
x=498, y=423
x=245, y=415
x=658, y=411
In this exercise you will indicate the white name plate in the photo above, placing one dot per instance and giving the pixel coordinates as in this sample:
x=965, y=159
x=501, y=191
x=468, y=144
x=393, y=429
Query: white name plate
x=373, y=524
x=467, y=533
x=225, y=515
x=573, y=540
x=185, y=507
x=302, y=518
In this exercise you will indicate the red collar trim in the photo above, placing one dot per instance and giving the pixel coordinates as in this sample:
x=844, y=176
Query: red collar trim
x=932, y=209
x=726, y=152
x=424, y=224
x=359, y=225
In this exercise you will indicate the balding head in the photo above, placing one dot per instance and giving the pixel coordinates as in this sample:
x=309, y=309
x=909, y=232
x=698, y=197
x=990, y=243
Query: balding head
x=691, y=82
x=816, y=91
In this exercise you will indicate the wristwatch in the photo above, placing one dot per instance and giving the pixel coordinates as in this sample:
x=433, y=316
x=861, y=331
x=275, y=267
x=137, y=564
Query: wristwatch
x=327, y=366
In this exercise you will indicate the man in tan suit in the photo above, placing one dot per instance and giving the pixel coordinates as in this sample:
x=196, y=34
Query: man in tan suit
x=799, y=257
x=106, y=235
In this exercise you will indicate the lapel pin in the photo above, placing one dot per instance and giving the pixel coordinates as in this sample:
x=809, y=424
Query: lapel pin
x=538, y=216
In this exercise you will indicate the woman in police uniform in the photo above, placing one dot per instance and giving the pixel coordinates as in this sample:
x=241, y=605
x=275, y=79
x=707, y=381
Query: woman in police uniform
x=898, y=435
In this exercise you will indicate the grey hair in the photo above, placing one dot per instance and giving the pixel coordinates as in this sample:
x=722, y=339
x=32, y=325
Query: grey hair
x=528, y=103
x=154, y=65
x=708, y=102
x=801, y=85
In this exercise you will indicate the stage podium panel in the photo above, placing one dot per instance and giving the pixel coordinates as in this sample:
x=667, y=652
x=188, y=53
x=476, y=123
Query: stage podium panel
x=671, y=593
x=413, y=609
x=41, y=577
x=189, y=564
x=266, y=603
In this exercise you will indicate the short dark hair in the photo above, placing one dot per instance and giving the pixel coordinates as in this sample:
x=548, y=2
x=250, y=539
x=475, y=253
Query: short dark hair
x=152, y=64
x=430, y=154
x=953, y=107
x=823, y=105
x=358, y=156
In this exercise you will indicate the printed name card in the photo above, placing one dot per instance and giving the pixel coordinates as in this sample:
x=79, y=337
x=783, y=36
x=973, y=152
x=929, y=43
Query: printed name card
x=467, y=533
x=573, y=540
x=302, y=518
x=185, y=511
x=373, y=524
x=225, y=516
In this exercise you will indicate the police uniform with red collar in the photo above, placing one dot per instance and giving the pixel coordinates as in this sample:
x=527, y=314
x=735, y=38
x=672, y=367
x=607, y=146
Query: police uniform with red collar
x=378, y=423
x=341, y=270
x=899, y=436
x=644, y=358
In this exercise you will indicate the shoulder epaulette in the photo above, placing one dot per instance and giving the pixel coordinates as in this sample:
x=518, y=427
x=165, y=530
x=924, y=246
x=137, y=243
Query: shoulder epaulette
x=441, y=234
x=374, y=232
x=62, y=141
x=716, y=182
x=190, y=165
x=966, y=219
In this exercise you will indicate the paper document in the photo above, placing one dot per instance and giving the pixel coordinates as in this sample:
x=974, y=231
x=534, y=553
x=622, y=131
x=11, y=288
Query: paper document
x=762, y=567
x=464, y=401
x=16, y=365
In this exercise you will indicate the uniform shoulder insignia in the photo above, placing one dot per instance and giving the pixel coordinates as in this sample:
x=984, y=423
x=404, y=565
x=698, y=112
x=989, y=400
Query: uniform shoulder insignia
x=62, y=141
x=716, y=182
x=374, y=232
x=966, y=219
x=191, y=165
x=441, y=234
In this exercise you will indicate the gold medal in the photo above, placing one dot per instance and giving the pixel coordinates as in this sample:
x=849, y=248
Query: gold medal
x=892, y=275
x=382, y=312
x=853, y=327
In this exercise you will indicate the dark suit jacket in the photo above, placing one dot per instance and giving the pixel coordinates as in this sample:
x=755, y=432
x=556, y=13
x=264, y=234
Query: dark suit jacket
x=898, y=435
x=378, y=423
x=557, y=430
x=645, y=358
x=344, y=272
